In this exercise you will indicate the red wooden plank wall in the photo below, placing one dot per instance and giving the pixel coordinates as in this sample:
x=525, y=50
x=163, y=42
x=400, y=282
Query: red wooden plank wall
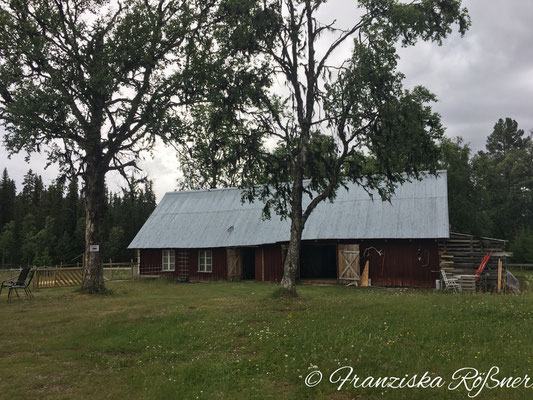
x=151, y=264
x=272, y=270
x=220, y=269
x=404, y=262
x=273, y=266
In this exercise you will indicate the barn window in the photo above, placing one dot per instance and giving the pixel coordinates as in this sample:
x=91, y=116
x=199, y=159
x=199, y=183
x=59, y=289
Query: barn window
x=169, y=261
x=205, y=261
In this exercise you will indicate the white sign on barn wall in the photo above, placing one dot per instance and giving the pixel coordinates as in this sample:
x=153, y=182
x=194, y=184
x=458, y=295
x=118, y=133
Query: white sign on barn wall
x=94, y=248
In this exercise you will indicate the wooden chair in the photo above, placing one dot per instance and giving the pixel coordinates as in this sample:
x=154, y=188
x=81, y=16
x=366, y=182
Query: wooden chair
x=450, y=283
x=23, y=282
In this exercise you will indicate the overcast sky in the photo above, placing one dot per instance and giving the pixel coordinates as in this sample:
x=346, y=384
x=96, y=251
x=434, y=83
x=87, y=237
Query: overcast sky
x=484, y=76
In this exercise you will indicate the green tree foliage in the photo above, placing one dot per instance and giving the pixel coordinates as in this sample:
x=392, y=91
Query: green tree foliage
x=93, y=83
x=505, y=170
x=491, y=193
x=7, y=199
x=42, y=241
x=32, y=190
x=465, y=198
x=522, y=246
x=506, y=138
x=219, y=144
x=8, y=246
x=28, y=232
x=47, y=227
x=116, y=244
x=214, y=153
x=71, y=209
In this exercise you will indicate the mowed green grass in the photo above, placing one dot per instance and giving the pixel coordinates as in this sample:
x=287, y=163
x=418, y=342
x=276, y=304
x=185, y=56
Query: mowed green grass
x=165, y=340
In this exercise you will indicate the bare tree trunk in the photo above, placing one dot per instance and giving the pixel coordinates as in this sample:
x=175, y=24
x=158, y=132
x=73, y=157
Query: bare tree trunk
x=304, y=111
x=292, y=261
x=95, y=205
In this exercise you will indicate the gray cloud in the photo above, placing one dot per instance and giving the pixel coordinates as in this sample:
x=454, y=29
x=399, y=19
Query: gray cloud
x=484, y=76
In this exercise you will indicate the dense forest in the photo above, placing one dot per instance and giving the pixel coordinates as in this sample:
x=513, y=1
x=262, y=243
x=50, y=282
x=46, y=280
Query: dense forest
x=490, y=194
x=42, y=225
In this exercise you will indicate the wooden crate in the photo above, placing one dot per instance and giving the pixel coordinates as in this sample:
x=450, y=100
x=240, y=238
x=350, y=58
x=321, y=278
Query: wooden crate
x=467, y=283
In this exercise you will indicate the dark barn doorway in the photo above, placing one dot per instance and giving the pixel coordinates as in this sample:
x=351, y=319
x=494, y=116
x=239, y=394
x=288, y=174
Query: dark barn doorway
x=318, y=261
x=248, y=262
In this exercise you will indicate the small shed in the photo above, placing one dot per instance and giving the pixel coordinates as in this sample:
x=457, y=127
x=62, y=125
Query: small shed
x=463, y=253
x=212, y=235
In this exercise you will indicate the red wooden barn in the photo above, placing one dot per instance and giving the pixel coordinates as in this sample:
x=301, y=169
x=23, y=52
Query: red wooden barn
x=211, y=235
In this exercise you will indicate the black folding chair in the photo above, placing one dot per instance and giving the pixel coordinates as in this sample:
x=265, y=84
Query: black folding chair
x=22, y=282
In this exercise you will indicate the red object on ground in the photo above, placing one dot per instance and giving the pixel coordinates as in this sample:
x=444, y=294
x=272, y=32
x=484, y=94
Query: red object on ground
x=484, y=262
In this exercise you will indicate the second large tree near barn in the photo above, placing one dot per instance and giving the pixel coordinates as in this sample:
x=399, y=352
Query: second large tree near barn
x=92, y=83
x=332, y=121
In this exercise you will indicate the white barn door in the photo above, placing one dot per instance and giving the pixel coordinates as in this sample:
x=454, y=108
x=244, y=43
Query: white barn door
x=234, y=260
x=348, y=265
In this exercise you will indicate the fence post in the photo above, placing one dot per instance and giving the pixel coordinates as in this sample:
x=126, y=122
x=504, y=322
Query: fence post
x=36, y=279
x=499, y=275
x=137, y=268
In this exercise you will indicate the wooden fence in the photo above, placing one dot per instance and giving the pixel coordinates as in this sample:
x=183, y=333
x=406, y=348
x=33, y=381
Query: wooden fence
x=57, y=277
x=73, y=276
x=521, y=266
x=118, y=271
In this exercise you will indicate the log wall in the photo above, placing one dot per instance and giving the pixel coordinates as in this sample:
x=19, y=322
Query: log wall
x=462, y=254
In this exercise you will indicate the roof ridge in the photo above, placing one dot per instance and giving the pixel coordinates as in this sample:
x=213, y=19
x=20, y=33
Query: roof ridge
x=440, y=171
x=202, y=190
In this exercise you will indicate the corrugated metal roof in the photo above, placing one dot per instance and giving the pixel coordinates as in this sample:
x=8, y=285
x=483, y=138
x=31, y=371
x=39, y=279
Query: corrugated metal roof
x=204, y=218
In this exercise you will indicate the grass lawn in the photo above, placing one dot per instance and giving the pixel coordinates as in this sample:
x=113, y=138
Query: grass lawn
x=159, y=340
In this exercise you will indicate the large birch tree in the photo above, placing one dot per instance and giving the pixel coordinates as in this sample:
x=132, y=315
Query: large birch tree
x=92, y=83
x=326, y=123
